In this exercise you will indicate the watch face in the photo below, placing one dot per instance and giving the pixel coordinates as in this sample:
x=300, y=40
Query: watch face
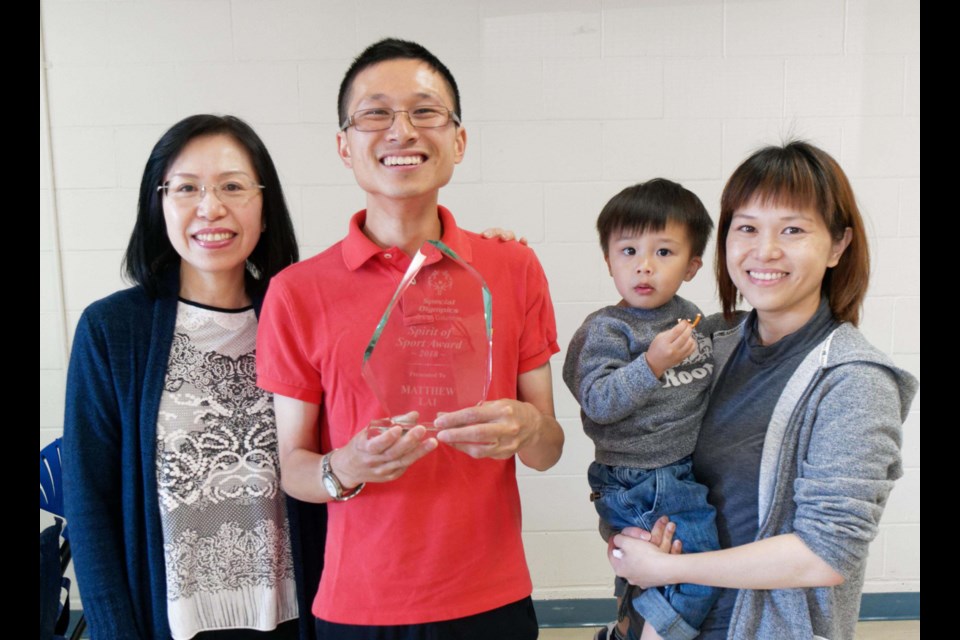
x=330, y=486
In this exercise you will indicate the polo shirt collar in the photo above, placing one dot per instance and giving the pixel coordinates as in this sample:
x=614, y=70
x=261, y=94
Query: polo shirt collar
x=358, y=248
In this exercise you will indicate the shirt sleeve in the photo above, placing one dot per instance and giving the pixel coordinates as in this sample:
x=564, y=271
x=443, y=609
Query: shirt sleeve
x=538, y=341
x=850, y=465
x=93, y=487
x=283, y=366
x=606, y=379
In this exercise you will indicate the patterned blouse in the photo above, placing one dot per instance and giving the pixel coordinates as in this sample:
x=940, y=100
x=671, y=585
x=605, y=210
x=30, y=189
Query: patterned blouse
x=226, y=541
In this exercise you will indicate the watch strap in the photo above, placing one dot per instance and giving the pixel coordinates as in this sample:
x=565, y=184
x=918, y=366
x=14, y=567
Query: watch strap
x=340, y=495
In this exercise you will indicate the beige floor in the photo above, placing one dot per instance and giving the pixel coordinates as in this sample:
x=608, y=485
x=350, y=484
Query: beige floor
x=908, y=630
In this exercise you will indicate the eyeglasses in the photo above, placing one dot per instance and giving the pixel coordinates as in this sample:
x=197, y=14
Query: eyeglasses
x=381, y=118
x=235, y=191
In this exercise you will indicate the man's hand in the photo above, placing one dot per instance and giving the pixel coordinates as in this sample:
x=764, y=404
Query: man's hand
x=363, y=459
x=504, y=235
x=492, y=430
x=499, y=429
x=382, y=458
x=671, y=347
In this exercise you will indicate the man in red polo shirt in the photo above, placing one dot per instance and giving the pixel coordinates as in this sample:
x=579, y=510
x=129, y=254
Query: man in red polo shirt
x=423, y=536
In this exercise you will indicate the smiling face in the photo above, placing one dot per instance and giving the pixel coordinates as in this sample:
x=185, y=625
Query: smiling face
x=649, y=267
x=402, y=162
x=777, y=257
x=213, y=239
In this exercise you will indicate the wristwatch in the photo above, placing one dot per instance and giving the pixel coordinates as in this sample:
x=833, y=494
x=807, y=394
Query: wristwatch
x=332, y=484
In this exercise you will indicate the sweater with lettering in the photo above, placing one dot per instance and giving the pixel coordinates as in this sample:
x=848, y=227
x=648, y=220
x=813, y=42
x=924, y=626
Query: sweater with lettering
x=634, y=418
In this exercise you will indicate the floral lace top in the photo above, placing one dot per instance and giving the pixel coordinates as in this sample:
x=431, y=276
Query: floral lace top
x=226, y=542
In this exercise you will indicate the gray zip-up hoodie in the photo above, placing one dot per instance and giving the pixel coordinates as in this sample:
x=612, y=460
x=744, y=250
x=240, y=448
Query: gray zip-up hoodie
x=831, y=455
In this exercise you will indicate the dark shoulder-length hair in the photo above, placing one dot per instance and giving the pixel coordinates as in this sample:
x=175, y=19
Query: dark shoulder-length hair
x=800, y=176
x=150, y=256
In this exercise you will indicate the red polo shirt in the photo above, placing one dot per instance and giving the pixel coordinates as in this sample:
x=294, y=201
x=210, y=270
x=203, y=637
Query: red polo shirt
x=443, y=540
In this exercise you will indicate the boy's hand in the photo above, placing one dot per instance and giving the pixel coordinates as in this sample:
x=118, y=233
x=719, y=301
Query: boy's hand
x=671, y=347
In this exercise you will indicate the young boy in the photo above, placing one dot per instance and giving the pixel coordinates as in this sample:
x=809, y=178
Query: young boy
x=641, y=374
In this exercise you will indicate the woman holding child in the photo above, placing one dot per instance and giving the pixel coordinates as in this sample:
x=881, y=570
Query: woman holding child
x=799, y=446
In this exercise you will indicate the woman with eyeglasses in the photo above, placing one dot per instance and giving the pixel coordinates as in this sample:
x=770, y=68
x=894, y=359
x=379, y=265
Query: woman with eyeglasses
x=178, y=524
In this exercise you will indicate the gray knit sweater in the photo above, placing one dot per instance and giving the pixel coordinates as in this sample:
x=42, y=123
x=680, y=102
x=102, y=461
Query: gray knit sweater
x=635, y=419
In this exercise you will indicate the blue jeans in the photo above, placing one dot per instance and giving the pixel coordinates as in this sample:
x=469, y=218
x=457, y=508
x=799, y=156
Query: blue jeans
x=631, y=497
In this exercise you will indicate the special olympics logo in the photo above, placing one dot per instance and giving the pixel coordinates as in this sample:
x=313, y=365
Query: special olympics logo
x=440, y=281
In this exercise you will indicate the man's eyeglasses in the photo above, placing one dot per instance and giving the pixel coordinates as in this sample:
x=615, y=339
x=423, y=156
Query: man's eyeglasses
x=381, y=118
x=235, y=191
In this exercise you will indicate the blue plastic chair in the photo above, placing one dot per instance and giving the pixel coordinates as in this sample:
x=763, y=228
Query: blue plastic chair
x=54, y=555
x=51, y=491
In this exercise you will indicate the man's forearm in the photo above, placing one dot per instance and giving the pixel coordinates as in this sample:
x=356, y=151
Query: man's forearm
x=535, y=388
x=544, y=450
x=301, y=476
x=298, y=442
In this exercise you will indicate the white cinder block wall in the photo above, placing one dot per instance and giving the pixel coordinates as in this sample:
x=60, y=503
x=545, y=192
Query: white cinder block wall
x=565, y=103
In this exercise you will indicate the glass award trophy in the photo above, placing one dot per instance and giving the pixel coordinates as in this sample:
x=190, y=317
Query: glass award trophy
x=432, y=351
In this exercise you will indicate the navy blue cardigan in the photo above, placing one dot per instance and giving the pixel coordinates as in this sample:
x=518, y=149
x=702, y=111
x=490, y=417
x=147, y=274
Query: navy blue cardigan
x=114, y=383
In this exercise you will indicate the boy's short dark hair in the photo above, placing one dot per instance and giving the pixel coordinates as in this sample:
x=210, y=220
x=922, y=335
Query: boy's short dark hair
x=649, y=206
x=393, y=49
